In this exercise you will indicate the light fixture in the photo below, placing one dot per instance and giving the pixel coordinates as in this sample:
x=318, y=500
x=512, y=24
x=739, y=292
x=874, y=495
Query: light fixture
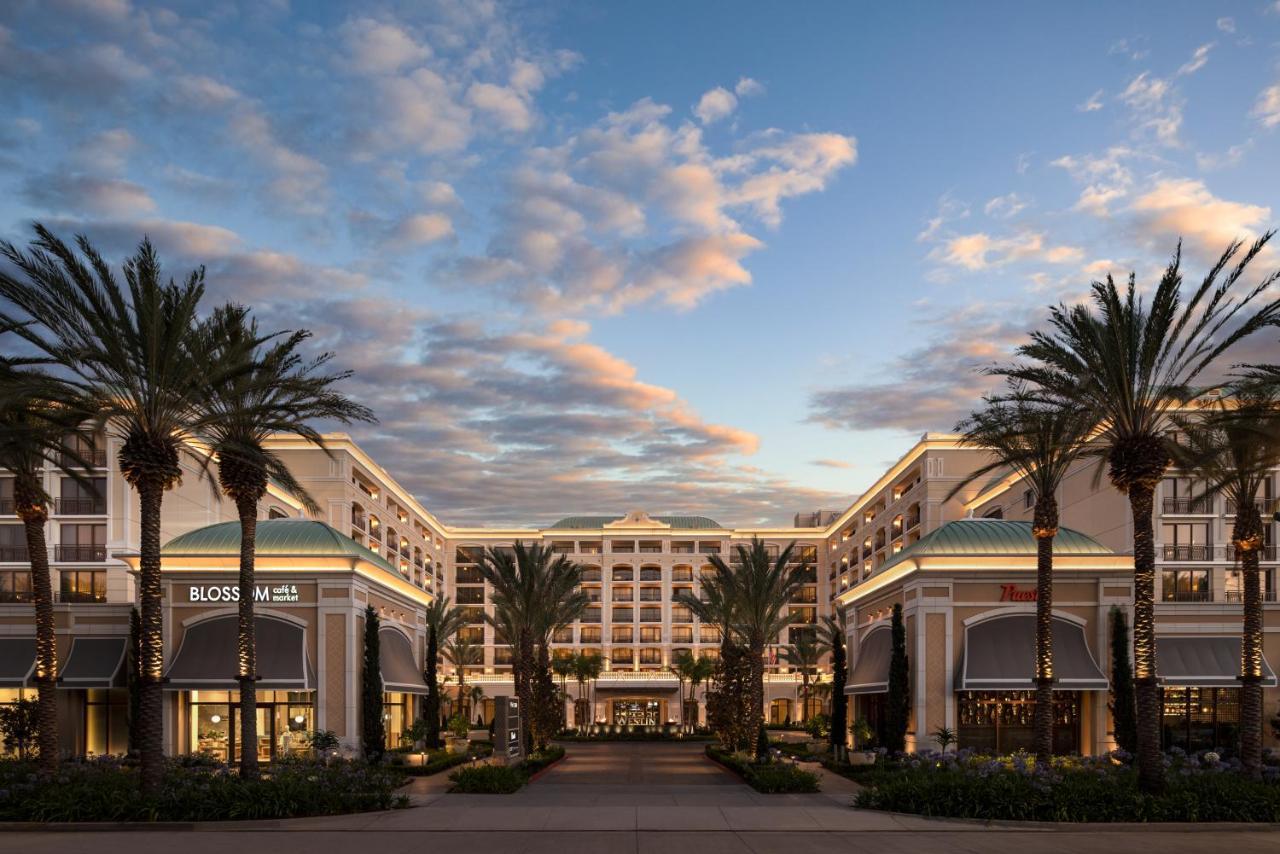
x=217, y=719
x=299, y=719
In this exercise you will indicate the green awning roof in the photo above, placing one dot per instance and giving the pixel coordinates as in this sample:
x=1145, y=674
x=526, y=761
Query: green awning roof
x=275, y=538
x=680, y=523
x=989, y=537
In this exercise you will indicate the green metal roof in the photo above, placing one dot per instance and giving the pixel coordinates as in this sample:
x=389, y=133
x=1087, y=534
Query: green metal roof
x=683, y=523
x=995, y=537
x=275, y=538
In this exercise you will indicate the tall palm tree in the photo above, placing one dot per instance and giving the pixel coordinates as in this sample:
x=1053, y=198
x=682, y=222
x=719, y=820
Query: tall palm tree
x=803, y=655
x=1039, y=442
x=462, y=653
x=1234, y=447
x=683, y=668
x=751, y=595
x=587, y=667
x=140, y=351
x=37, y=413
x=563, y=667
x=702, y=670
x=443, y=621
x=1130, y=365
x=281, y=393
x=832, y=631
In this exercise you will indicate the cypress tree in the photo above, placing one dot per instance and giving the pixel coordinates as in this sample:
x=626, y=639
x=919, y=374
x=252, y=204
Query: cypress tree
x=1123, y=711
x=431, y=702
x=839, y=702
x=373, y=730
x=898, y=701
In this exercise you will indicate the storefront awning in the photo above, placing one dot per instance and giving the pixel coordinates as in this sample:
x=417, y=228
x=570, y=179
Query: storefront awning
x=871, y=669
x=1203, y=661
x=17, y=662
x=94, y=663
x=1000, y=655
x=399, y=669
x=206, y=658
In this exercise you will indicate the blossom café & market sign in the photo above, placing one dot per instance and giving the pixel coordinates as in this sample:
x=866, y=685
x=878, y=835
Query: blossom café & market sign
x=277, y=593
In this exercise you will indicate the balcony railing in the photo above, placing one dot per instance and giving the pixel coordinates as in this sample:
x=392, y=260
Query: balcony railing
x=6, y=507
x=358, y=520
x=651, y=550
x=650, y=575
x=1238, y=596
x=13, y=554
x=1266, y=553
x=591, y=575
x=96, y=457
x=79, y=553
x=1231, y=507
x=79, y=506
x=1179, y=552
x=1188, y=596
x=1188, y=506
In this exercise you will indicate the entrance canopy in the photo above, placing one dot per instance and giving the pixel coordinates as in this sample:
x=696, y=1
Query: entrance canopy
x=94, y=662
x=871, y=671
x=206, y=658
x=17, y=662
x=400, y=672
x=1000, y=655
x=1203, y=661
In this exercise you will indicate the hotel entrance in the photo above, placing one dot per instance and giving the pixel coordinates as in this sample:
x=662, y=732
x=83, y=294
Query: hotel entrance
x=639, y=712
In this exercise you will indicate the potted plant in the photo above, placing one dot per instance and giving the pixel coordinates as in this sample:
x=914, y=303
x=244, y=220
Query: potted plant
x=325, y=743
x=862, y=737
x=945, y=736
x=457, y=740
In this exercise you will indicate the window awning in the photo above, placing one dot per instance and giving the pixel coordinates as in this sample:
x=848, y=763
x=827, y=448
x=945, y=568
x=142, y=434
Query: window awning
x=399, y=668
x=206, y=658
x=1000, y=655
x=1203, y=661
x=94, y=662
x=871, y=669
x=17, y=662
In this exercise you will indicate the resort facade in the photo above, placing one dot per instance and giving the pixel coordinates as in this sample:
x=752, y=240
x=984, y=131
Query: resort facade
x=962, y=566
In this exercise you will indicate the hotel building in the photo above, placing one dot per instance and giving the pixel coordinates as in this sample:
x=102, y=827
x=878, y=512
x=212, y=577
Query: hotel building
x=961, y=566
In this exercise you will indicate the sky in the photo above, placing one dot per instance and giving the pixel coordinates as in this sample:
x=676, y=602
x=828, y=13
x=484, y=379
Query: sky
x=718, y=258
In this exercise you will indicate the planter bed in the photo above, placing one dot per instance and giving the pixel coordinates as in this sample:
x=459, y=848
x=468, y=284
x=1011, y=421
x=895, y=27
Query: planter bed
x=503, y=779
x=770, y=777
x=441, y=759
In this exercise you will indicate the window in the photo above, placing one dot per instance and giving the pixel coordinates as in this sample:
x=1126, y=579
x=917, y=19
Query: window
x=677, y=591
x=564, y=547
x=15, y=585
x=473, y=615
x=6, y=496
x=1186, y=541
x=277, y=513
x=650, y=547
x=83, y=586
x=650, y=634
x=1028, y=499
x=682, y=573
x=591, y=548
x=622, y=547
x=679, y=614
x=682, y=634
x=591, y=573
x=650, y=573
x=1186, y=495
x=562, y=635
x=589, y=634
x=622, y=634
x=650, y=615
x=468, y=554
x=650, y=656
x=84, y=449
x=469, y=595
x=590, y=615
x=795, y=633
x=708, y=634
x=622, y=615
x=650, y=594
x=82, y=543
x=622, y=655
x=1234, y=589
x=623, y=594
x=1186, y=585
x=623, y=573
x=682, y=548
x=1196, y=719
x=471, y=634
x=468, y=575
x=994, y=513
x=502, y=655
x=13, y=543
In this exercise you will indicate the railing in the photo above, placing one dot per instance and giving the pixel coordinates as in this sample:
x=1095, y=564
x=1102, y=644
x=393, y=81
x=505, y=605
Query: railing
x=591, y=575
x=623, y=576
x=650, y=575
x=651, y=550
x=1179, y=552
x=1238, y=596
x=679, y=549
x=1199, y=506
x=709, y=550
x=650, y=595
x=359, y=520
x=11, y=554
x=622, y=548
x=912, y=522
x=1188, y=596
x=80, y=506
x=87, y=554
x=1231, y=507
x=1267, y=553
x=6, y=507
x=80, y=597
x=96, y=457
x=651, y=615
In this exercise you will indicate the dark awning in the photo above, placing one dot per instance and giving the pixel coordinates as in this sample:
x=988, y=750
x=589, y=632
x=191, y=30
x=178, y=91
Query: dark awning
x=1203, y=661
x=206, y=658
x=871, y=668
x=94, y=662
x=17, y=662
x=399, y=669
x=1000, y=655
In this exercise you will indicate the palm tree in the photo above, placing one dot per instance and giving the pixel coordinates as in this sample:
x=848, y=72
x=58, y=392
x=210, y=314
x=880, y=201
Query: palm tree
x=586, y=668
x=563, y=667
x=281, y=393
x=751, y=595
x=1234, y=448
x=702, y=670
x=683, y=668
x=476, y=694
x=37, y=413
x=1040, y=443
x=142, y=354
x=1130, y=366
x=462, y=653
x=832, y=631
x=443, y=622
x=803, y=654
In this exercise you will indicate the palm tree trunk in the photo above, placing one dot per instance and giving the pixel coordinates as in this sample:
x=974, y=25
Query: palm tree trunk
x=246, y=641
x=1042, y=723
x=524, y=689
x=756, y=717
x=34, y=515
x=151, y=701
x=1150, y=760
x=1247, y=536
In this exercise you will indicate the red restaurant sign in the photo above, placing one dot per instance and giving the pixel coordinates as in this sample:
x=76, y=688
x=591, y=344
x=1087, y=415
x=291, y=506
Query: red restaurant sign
x=1012, y=593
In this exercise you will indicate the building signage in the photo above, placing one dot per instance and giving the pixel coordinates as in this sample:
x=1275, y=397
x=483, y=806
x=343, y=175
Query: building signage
x=507, y=730
x=1014, y=593
x=273, y=593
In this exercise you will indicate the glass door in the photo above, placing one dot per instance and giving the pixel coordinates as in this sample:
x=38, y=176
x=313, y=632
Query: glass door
x=266, y=733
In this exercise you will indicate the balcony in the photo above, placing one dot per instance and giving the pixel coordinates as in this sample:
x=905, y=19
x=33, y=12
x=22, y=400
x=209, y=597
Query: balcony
x=651, y=548
x=1259, y=504
x=80, y=506
x=1266, y=553
x=1188, y=596
x=709, y=548
x=96, y=457
x=79, y=553
x=650, y=575
x=6, y=507
x=1188, y=506
x=591, y=575
x=13, y=554
x=651, y=615
x=1188, y=553
x=1237, y=596
x=650, y=595
x=359, y=521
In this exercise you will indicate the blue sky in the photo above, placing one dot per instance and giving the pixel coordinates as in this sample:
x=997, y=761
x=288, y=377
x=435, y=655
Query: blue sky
x=716, y=257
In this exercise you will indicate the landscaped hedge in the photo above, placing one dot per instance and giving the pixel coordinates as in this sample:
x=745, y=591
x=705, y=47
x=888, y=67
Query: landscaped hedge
x=502, y=779
x=574, y=735
x=443, y=759
x=768, y=777
x=1089, y=790
x=109, y=790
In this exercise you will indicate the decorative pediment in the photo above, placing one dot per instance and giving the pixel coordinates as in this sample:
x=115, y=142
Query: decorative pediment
x=638, y=519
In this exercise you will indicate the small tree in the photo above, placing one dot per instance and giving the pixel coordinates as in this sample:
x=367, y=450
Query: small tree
x=372, y=728
x=19, y=723
x=1123, y=713
x=831, y=631
x=898, y=702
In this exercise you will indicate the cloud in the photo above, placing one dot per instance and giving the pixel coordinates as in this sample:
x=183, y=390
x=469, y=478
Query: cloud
x=63, y=192
x=746, y=87
x=1208, y=162
x=1267, y=108
x=1198, y=60
x=376, y=47
x=832, y=464
x=199, y=91
x=1184, y=208
x=421, y=229
x=1092, y=103
x=1227, y=25
x=980, y=251
x=714, y=105
x=105, y=152
x=420, y=112
x=300, y=182
x=504, y=105
x=1156, y=110
x=1003, y=207
x=1107, y=177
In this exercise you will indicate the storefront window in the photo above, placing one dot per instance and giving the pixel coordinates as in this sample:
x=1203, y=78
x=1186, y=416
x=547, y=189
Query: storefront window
x=1001, y=721
x=106, y=722
x=1196, y=719
x=395, y=717
x=286, y=720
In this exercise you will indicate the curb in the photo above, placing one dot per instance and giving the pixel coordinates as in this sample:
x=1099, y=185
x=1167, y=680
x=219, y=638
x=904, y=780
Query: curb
x=1094, y=826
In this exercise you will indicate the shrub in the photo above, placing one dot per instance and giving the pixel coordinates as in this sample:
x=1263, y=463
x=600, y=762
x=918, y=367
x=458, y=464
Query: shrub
x=488, y=780
x=767, y=777
x=442, y=760
x=109, y=790
x=545, y=758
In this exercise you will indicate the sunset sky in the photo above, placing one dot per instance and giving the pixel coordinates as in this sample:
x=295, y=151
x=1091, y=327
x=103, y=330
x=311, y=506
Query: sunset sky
x=725, y=258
